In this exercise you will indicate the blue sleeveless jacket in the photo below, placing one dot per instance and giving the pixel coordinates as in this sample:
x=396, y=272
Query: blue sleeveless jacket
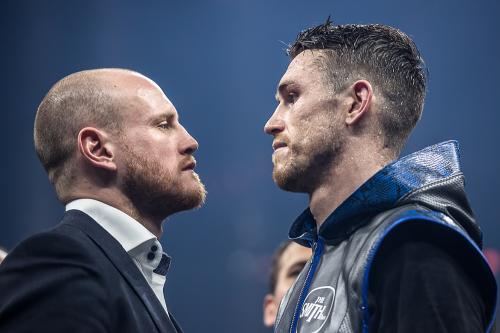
x=421, y=194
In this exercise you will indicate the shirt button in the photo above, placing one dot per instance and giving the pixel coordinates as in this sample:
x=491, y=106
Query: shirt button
x=154, y=248
x=151, y=256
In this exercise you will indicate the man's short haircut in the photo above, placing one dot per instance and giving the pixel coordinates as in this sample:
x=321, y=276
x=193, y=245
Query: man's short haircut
x=384, y=56
x=78, y=100
x=276, y=265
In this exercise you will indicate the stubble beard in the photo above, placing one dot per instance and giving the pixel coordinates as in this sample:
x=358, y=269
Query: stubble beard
x=306, y=165
x=156, y=193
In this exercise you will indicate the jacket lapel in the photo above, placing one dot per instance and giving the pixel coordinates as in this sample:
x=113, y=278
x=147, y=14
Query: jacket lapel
x=124, y=264
x=176, y=324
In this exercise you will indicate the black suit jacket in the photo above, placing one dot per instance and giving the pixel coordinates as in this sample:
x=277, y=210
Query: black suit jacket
x=77, y=278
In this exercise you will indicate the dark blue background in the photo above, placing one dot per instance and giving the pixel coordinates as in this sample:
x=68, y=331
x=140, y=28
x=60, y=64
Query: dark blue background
x=219, y=62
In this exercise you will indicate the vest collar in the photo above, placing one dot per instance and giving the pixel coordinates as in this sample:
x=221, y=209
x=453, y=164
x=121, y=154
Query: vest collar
x=379, y=193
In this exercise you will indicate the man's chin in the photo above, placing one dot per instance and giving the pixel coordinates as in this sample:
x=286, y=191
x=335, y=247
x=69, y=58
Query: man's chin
x=182, y=202
x=288, y=182
x=193, y=193
x=168, y=203
x=201, y=196
x=195, y=196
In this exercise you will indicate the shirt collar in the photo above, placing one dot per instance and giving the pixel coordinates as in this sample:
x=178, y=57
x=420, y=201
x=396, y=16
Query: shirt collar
x=126, y=230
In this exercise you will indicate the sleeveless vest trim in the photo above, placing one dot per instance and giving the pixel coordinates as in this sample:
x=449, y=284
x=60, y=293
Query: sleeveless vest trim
x=438, y=219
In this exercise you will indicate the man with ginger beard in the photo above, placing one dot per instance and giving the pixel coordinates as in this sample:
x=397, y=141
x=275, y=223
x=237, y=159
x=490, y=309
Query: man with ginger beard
x=121, y=162
x=395, y=245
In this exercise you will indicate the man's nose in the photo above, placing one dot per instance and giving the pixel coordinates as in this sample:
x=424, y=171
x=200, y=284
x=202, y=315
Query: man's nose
x=274, y=125
x=192, y=147
x=189, y=144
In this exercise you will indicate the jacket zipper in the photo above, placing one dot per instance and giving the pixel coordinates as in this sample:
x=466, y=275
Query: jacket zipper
x=318, y=251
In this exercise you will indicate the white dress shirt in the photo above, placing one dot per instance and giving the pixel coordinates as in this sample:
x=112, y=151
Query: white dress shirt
x=142, y=246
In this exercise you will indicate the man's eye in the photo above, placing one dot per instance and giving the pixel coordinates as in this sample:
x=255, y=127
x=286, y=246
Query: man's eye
x=291, y=98
x=164, y=125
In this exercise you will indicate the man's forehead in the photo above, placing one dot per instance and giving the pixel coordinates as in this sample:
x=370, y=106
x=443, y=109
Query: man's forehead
x=294, y=253
x=136, y=84
x=143, y=94
x=130, y=82
x=305, y=62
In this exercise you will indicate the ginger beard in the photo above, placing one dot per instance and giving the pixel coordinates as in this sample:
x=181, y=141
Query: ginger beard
x=155, y=191
x=311, y=153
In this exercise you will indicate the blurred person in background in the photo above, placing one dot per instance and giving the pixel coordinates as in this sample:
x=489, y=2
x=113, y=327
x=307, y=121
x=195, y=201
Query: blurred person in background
x=287, y=262
x=3, y=254
x=121, y=162
x=395, y=245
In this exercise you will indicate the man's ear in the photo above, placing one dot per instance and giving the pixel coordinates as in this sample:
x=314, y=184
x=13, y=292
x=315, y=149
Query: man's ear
x=361, y=92
x=96, y=149
x=270, y=310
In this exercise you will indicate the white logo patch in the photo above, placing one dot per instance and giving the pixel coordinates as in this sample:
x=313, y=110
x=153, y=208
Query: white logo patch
x=316, y=309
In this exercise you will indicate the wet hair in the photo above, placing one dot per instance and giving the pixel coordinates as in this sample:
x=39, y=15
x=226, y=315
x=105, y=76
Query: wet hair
x=276, y=265
x=384, y=56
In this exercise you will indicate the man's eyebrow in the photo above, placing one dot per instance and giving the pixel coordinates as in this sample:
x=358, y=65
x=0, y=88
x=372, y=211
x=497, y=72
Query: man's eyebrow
x=281, y=87
x=166, y=115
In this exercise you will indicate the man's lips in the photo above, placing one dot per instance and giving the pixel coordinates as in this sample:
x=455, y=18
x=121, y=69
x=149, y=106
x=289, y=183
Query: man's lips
x=278, y=144
x=190, y=165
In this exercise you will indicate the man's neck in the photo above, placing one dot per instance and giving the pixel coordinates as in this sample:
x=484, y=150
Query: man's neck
x=341, y=182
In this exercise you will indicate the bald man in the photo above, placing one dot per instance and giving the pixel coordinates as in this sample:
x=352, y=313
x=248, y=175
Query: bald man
x=120, y=161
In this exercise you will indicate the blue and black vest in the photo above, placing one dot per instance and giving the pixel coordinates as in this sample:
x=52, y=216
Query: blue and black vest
x=420, y=195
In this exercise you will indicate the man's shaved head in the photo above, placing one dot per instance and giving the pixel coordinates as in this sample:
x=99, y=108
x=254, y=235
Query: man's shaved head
x=85, y=98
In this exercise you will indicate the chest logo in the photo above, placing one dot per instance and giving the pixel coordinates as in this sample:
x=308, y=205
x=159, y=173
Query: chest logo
x=316, y=309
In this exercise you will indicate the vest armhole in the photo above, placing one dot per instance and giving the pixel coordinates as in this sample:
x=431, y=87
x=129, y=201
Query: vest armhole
x=425, y=227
